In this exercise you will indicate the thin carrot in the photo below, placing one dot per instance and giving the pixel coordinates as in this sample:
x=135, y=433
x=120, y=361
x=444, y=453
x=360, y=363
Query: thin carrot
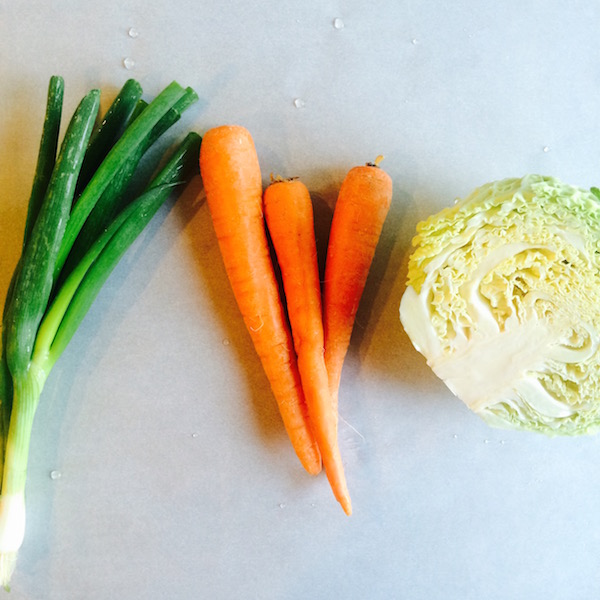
x=232, y=181
x=361, y=209
x=289, y=216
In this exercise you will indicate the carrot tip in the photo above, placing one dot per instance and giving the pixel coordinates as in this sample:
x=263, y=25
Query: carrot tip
x=313, y=468
x=346, y=505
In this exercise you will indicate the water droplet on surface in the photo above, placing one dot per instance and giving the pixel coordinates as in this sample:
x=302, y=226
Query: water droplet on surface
x=338, y=23
x=226, y=342
x=132, y=32
x=486, y=441
x=55, y=474
x=128, y=63
x=195, y=434
x=299, y=103
x=546, y=148
x=415, y=41
x=455, y=436
x=282, y=505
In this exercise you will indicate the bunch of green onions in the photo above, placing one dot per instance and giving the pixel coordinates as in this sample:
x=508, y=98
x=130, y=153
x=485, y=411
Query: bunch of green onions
x=86, y=208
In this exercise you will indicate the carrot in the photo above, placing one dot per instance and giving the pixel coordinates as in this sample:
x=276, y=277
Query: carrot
x=233, y=186
x=289, y=216
x=362, y=206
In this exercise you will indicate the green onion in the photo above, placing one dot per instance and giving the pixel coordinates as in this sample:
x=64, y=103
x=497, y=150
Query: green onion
x=109, y=130
x=84, y=282
x=117, y=193
x=122, y=152
x=45, y=166
x=33, y=283
x=47, y=153
x=45, y=303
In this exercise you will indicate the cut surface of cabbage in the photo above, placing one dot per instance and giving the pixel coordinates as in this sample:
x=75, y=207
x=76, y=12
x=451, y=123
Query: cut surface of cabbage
x=503, y=300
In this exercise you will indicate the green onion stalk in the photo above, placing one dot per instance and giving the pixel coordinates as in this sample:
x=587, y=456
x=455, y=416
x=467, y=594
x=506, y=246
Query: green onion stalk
x=84, y=213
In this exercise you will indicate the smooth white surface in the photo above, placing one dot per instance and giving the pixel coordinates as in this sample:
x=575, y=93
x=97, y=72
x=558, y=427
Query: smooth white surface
x=176, y=479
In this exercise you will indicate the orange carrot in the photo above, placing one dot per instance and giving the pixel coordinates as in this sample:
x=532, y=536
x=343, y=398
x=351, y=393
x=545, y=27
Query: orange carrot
x=362, y=206
x=232, y=181
x=289, y=216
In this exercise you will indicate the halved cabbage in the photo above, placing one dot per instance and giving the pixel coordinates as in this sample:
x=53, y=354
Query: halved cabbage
x=503, y=300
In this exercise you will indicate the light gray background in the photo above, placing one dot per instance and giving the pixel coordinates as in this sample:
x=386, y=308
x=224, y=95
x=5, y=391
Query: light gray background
x=177, y=480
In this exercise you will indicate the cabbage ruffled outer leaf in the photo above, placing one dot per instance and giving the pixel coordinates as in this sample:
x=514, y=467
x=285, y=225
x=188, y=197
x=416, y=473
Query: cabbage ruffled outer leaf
x=503, y=300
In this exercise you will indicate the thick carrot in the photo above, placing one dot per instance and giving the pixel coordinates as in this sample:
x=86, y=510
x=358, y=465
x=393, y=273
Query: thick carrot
x=362, y=206
x=232, y=181
x=289, y=216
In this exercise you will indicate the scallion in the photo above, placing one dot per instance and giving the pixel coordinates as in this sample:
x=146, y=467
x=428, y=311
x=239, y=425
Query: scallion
x=46, y=302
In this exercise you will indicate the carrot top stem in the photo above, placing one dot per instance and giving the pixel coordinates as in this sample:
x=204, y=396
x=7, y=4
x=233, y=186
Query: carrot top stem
x=378, y=160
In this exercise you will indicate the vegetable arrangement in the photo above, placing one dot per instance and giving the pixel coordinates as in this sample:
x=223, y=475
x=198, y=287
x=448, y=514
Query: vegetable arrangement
x=84, y=212
x=289, y=333
x=503, y=300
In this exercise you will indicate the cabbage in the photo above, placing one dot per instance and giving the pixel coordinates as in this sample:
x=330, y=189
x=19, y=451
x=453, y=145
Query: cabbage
x=503, y=300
